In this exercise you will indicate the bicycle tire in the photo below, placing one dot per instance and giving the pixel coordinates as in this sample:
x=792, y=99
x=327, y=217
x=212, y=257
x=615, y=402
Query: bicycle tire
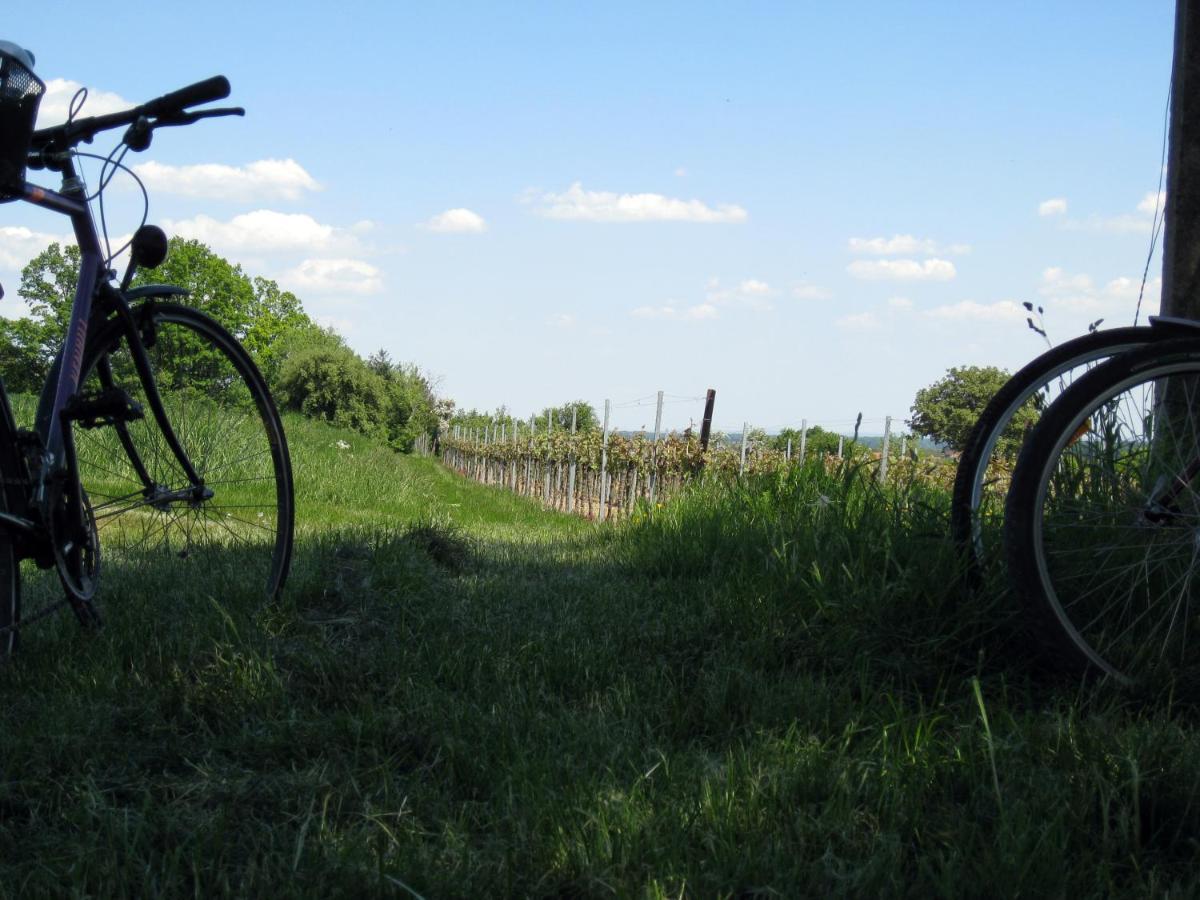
x=10, y=590
x=10, y=572
x=1102, y=565
x=222, y=413
x=970, y=508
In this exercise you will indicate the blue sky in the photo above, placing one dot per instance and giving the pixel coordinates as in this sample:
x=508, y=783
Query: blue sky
x=814, y=208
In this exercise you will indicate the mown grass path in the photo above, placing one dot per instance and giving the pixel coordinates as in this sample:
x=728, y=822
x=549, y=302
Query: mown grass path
x=769, y=690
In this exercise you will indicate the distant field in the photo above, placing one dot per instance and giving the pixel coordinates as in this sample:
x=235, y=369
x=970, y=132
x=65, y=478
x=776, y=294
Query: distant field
x=768, y=688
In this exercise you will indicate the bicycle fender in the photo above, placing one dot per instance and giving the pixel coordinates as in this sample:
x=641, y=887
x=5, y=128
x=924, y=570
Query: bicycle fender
x=155, y=290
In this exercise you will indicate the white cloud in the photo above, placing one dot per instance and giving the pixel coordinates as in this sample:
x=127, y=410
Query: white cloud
x=328, y=276
x=971, y=311
x=863, y=321
x=750, y=292
x=901, y=303
x=1153, y=202
x=337, y=323
x=457, y=221
x=18, y=245
x=1078, y=293
x=263, y=179
x=1139, y=222
x=810, y=292
x=578, y=204
x=57, y=101
x=263, y=231
x=1056, y=206
x=903, y=244
x=693, y=313
x=902, y=270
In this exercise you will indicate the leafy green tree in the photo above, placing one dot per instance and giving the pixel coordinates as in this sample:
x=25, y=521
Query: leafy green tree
x=947, y=410
x=257, y=311
x=333, y=384
x=585, y=416
x=818, y=440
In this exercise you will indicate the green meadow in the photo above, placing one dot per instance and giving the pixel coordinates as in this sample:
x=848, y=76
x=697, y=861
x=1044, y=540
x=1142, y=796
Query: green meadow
x=769, y=687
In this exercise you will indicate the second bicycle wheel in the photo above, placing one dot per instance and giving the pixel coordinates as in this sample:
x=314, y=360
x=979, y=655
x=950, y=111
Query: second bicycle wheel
x=233, y=536
x=1102, y=523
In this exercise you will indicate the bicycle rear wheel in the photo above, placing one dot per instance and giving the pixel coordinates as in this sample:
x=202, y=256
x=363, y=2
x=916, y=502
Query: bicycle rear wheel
x=1102, y=523
x=232, y=537
x=985, y=465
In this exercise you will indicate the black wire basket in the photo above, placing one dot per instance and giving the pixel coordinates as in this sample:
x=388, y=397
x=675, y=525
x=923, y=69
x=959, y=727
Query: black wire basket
x=20, y=93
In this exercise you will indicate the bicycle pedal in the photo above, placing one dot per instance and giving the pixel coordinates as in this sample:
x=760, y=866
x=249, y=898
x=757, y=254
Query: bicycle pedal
x=102, y=408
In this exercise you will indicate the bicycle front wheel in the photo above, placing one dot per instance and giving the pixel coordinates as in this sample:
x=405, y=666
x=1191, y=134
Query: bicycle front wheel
x=1102, y=523
x=233, y=535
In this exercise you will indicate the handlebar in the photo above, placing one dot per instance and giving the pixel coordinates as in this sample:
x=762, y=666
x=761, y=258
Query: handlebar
x=167, y=110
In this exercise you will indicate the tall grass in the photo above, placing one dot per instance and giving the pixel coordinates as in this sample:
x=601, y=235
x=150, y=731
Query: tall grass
x=769, y=688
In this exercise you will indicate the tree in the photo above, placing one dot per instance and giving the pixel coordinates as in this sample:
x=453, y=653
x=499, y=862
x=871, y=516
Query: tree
x=817, y=440
x=947, y=410
x=585, y=416
x=256, y=311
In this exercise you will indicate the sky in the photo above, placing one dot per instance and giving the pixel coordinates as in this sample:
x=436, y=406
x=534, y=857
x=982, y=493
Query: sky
x=814, y=208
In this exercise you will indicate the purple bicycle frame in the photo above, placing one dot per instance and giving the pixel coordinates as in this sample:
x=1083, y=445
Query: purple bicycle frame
x=90, y=271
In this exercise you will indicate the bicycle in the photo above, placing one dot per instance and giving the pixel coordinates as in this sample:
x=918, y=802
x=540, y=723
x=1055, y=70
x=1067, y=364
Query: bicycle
x=1102, y=523
x=155, y=429
x=977, y=506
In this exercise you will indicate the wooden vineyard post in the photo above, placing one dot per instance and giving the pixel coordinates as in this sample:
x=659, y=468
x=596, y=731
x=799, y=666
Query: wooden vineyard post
x=546, y=474
x=803, y=437
x=787, y=454
x=529, y=458
x=604, y=464
x=745, y=433
x=654, y=450
x=571, y=464
x=883, y=457
x=840, y=440
x=706, y=423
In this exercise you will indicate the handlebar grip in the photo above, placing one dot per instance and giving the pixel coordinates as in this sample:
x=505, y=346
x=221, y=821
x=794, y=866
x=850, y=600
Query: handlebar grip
x=215, y=88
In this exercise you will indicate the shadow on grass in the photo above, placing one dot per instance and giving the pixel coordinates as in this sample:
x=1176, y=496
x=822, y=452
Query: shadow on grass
x=768, y=688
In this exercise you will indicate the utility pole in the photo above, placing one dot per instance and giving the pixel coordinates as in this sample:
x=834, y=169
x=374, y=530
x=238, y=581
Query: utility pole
x=1181, y=234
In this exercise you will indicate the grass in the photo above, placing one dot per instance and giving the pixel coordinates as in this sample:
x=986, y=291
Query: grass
x=774, y=688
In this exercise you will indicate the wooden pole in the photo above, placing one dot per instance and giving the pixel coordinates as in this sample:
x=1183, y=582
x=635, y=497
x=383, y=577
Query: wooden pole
x=1181, y=234
x=706, y=424
x=604, y=464
x=883, y=457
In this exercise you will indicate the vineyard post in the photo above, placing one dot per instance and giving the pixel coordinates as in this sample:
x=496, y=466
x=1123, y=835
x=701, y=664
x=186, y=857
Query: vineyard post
x=571, y=465
x=604, y=464
x=513, y=463
x=787, y=454
x=883, y=457
x=654, y=449
x=841, y=439
x=529, y=458
x=903, y=446
x=503, y=464
x=706, y=423
x=546, y=477
x=745, y=432
x=803, y=437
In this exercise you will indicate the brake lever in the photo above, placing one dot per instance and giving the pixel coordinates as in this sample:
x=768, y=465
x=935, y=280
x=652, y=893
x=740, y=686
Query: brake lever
x=187, y=118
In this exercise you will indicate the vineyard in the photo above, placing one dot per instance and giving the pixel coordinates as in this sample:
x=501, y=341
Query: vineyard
x=608, y=475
